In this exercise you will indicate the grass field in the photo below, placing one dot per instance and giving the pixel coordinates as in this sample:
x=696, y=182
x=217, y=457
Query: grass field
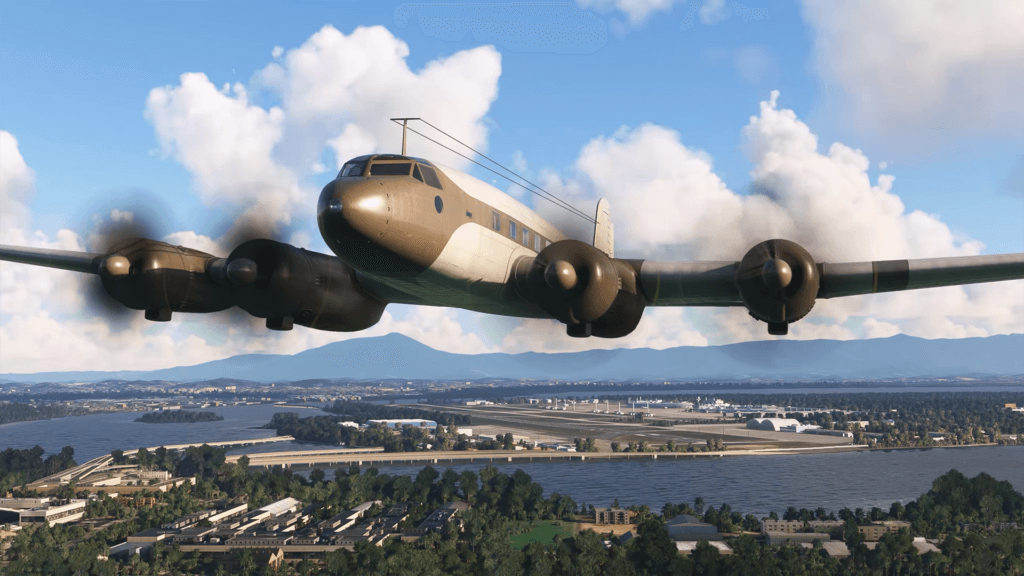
x=543, y=532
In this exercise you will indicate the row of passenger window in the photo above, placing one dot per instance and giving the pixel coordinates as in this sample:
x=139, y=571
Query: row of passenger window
x=527, y=238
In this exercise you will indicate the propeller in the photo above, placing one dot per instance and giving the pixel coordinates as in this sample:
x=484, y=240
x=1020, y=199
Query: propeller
x=778, y=282
x=111, y=225
x=575, y=283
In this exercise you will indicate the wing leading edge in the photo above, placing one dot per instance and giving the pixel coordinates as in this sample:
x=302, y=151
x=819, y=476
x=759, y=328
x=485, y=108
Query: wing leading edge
x=713, y=283
x=893, y=275
x=86, y=262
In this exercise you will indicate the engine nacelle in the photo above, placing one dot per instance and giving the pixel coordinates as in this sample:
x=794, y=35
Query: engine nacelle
x=592, y=294
x=289, y=285
x=778, y=282
x=159, y=278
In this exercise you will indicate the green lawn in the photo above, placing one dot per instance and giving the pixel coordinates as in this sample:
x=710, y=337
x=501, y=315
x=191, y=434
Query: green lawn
x=543, y=532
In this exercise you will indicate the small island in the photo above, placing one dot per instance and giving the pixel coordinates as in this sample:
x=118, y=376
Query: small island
x=178, y=417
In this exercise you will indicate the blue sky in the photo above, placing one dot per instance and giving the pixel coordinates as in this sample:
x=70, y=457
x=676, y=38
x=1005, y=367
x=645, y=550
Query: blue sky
x=933, y=110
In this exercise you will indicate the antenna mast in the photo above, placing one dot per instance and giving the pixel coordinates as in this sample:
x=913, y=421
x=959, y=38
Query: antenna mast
x=405, y=129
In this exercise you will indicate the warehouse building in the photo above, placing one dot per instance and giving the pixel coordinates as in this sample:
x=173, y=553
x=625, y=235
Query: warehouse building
x=771, y=424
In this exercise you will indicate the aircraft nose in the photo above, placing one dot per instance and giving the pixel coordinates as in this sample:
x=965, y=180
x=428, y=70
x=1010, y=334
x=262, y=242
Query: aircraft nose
x=349, y=208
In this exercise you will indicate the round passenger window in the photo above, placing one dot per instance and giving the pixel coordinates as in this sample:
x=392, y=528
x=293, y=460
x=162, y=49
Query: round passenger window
x=438, y=204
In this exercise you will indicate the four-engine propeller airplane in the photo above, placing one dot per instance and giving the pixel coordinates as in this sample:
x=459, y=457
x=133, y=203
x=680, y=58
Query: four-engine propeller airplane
x=404, y=230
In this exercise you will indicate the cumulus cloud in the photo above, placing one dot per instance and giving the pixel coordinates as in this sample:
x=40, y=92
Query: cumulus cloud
x=17, y=182
x=346, y=88
x=336, y=92
x=668, y=203
x=227, y=144
x=923, y=69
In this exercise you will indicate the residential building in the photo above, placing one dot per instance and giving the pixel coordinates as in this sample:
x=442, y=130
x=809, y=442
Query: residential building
x=779, y=538
x=795, y=526
x=613, y=516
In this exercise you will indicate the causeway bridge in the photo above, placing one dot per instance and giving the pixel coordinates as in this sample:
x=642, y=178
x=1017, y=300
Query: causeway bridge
x=377, y=457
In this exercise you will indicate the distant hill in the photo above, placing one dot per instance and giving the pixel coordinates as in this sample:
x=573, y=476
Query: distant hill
x=399, y=357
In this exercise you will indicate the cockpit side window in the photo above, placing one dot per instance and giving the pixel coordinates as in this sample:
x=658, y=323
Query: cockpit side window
x=352, y=170
x=391, y=169
x=430, y=176
x=416, y=172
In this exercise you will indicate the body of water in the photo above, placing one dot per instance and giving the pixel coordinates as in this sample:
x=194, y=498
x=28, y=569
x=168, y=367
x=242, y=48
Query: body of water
x=750, y=484
x=97, y=434
x=759, y=484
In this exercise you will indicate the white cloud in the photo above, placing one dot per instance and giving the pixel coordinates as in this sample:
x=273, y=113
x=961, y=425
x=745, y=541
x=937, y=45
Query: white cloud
x=924, y=70
x=198, y=242
x=353, y=141
x=346, y=88
x=228, y=145
x=17, y=183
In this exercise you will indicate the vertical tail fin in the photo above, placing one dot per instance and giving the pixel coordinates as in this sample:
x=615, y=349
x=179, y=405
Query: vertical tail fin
x=604, y=233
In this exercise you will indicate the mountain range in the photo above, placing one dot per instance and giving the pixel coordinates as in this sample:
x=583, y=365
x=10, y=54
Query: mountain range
x=399, y=357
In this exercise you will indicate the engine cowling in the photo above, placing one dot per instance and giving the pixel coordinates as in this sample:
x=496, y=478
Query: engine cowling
x=592, y=294
x=289, y=285
x=778, y=282
x=159, y=278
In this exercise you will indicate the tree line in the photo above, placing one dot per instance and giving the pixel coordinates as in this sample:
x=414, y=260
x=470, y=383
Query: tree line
x=360, y=412
x=20, y=466
x=507, y=504
x=19, y=412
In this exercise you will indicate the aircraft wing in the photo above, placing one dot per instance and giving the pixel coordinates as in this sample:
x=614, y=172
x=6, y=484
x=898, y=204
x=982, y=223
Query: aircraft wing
x=714, y=283
x=855, y=278
x=62, y=259
x=280, y=283
x=689, y=283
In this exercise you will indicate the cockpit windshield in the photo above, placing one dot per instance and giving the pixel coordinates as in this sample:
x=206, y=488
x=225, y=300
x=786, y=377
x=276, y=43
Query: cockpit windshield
x=391, y=169
x=391, y=165
x=352, y=169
